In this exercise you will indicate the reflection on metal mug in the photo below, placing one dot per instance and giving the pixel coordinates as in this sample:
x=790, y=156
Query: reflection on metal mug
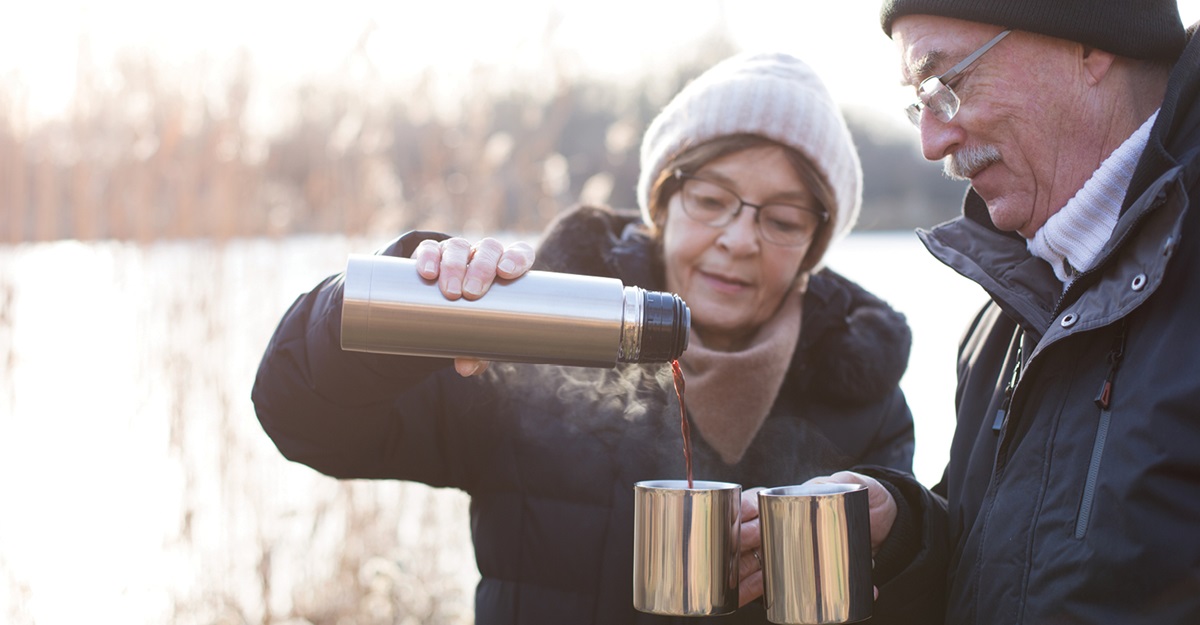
x=816, y=553
x=685, y=547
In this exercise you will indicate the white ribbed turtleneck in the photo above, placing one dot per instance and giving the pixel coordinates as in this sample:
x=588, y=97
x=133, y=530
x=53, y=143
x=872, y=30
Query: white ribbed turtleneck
x=1072, y=238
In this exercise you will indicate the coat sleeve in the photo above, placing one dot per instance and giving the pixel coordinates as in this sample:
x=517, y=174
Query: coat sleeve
x=855, y=347
x=895, y=441
x=352, y=414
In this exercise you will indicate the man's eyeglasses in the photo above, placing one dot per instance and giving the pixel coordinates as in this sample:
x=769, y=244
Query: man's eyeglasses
x=778, y=223
x=936, y=94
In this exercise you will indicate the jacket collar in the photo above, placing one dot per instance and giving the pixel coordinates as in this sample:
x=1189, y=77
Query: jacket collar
x=1023, y=285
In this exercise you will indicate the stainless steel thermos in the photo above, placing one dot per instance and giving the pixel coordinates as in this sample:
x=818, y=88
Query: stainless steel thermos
x=541, y=317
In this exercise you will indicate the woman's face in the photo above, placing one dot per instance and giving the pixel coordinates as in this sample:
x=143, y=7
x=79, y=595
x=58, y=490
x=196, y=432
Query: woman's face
x=731, y=279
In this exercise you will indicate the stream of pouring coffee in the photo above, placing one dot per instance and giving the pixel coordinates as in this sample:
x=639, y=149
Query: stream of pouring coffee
x=683, y=422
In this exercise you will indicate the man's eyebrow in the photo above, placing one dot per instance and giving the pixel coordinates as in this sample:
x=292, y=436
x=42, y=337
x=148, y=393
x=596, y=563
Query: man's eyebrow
x=922, y=67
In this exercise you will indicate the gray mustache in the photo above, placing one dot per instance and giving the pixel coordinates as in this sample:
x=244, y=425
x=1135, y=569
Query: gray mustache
x=966, y=162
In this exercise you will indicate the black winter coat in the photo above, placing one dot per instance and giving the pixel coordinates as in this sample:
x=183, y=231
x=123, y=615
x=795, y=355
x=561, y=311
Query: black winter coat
x=1072, y=494
x=549, y=455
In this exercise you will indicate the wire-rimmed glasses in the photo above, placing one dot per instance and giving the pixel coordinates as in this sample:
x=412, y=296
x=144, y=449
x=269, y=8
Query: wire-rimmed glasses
x=779, y=223
x=935, y=92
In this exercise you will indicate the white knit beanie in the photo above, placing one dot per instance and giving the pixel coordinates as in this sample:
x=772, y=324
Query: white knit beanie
x=772, y=95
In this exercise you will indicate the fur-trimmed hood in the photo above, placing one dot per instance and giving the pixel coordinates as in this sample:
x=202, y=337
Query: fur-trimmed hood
x=853, y=346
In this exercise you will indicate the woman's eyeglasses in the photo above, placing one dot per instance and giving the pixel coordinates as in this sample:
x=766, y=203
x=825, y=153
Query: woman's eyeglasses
x=778, y=223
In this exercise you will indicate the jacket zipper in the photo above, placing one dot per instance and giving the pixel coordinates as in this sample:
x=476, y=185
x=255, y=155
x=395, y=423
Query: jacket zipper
x=1104, y=397
x=1002, y=413
x=1104, y=402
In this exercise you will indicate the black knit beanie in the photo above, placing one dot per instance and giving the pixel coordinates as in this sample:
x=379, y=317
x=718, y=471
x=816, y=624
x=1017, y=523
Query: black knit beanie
x=1140, y=29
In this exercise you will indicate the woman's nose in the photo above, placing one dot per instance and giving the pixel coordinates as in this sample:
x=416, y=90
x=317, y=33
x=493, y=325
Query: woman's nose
x=741, y=234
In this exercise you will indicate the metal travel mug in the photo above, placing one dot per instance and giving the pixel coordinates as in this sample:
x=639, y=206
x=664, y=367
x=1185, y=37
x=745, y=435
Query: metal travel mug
x=816, y=552
x=542, y=317
x=685, y=547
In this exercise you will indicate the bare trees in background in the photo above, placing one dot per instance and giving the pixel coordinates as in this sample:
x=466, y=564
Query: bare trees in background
x=134, y=159
x=143, y=154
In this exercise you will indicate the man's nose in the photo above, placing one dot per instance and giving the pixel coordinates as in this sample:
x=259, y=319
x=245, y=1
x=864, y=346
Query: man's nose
x=939, y=139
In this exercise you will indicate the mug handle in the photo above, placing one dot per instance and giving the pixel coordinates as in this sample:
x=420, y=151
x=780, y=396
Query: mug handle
x=762, y=564
x=766, y=597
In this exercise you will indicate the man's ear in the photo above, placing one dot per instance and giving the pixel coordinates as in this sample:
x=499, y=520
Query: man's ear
x=1096, y=63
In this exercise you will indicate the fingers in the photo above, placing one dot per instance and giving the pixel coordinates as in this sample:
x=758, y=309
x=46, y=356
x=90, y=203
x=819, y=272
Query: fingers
x=750, y=554
x=882, y=506
x=428, y=257
x=842, y=477
x=750, y=503
x=467, y=271
x=747, y=563
x=452, y=270
x=467, y=367
x=750, y=535
x=750, y=572
x=463, y=270
x=750, y=588
x=479, y=265
x=515, y=260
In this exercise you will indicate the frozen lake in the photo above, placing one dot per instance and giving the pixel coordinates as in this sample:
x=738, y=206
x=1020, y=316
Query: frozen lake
x=137, y=487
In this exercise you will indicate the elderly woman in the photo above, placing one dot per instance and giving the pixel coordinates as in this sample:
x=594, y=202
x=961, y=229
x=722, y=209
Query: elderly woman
x=748, y=176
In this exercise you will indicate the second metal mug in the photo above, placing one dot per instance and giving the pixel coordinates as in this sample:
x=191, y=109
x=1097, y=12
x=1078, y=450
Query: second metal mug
x=816, y=552
x=685, y=547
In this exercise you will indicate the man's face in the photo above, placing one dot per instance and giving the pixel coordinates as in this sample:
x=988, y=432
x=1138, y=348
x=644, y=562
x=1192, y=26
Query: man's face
x=1016, y=135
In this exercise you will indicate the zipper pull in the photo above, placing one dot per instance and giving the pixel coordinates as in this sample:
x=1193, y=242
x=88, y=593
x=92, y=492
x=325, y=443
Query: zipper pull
x=1104, y=397
x=1002, y=413
x=998, y=423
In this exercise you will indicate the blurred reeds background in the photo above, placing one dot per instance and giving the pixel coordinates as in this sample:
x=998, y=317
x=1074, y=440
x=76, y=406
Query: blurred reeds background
x=151, y=237
x=145, y=153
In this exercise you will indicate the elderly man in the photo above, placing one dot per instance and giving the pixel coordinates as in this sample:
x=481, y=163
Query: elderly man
x=1072, y=494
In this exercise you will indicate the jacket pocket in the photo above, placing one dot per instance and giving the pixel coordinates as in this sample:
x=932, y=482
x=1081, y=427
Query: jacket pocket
x=1104, y=402
x=1093, y=475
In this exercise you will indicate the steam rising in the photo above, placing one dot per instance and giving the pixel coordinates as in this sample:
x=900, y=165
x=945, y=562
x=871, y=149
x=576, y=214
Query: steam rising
x=624, y=394
x=633, y=411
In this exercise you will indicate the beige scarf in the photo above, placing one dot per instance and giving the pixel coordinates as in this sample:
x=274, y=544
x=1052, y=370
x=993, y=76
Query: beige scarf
x=728, y=394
